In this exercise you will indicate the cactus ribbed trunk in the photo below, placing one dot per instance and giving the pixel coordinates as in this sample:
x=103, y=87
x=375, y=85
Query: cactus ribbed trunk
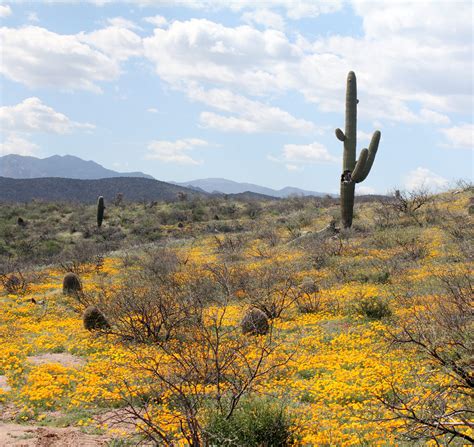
x=353, y=171
x=349, y=155
x=100, y=211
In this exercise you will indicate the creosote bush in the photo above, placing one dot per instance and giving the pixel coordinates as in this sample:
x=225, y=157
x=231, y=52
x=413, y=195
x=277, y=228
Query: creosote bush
x=71, y=283
x=94, y=319
x=255, y=322
x=373, y=308
x=257, y=423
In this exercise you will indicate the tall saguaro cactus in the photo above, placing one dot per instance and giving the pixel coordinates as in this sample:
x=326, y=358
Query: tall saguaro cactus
x=353, y=171
x=100, y=211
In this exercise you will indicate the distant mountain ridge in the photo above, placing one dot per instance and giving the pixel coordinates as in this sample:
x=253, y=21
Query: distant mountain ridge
x=56, y=189
x=72, y=167
x=64, y=166
x=213, y=185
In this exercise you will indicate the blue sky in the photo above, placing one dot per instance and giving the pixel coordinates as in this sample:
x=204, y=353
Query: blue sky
x=246, y=90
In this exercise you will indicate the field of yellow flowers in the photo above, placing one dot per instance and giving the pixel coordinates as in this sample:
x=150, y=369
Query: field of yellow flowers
x=54, y=372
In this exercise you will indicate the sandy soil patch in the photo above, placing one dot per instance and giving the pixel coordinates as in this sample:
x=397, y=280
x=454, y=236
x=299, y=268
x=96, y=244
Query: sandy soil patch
x=16, y=435
x=63, y=358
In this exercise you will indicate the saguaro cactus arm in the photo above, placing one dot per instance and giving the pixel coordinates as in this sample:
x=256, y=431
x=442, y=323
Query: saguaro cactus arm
x=374, y=145
x=340, y=135
x=360, y=166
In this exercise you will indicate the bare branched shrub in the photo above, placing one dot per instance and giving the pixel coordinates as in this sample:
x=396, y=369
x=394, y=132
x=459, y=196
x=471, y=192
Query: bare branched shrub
x=14, y=282
x=272, y=288
x=409, y=203
x=439, y=329
x=309, y=297
x=230, y=247
x=83, y=257
x=188, y=347
x=270, y=235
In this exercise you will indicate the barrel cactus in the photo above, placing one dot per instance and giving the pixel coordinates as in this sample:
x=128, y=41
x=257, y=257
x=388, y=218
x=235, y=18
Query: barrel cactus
x=71, y=283
x=353, y=171
x=94, y=319
x=255, y=322
x=100, y=211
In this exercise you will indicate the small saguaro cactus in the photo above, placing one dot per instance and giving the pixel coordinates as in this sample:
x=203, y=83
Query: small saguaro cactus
x=100, y=211
x=353, y=171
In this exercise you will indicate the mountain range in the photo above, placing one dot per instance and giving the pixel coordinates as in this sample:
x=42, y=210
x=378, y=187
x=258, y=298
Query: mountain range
x=221, y=185
x=71, y=167
x=65, y=166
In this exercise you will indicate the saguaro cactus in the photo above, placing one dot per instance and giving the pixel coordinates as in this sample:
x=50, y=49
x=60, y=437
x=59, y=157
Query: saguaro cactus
x=353, y=171
x=100, y=211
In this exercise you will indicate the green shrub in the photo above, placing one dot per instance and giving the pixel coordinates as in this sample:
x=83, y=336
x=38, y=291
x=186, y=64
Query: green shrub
x=257, y=423
x=373, y=308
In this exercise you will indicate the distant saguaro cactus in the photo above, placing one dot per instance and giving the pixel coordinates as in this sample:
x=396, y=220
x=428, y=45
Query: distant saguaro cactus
x=100, y=211
x=353, y=171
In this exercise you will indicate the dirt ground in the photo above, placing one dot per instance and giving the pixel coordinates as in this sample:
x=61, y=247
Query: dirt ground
x=16, y=435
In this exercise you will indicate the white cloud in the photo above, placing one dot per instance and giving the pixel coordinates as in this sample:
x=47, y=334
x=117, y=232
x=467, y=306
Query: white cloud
x=116, y=41
x=424, y=178
x=265, y=17
x=5, y=11
x=311, y=153
x=248, y=116
x=152, y=110
x=31, y=115
x=37, y=57
x=14, y=144
x=203, y=51
x=32, y=17
x=295, y=156
x=461, y=136
x=158, y=21
x=175, y=151
x=121, y=22
x=292, y=167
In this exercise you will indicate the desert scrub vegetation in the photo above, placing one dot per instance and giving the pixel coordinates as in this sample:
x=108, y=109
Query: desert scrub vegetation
x=363, y=336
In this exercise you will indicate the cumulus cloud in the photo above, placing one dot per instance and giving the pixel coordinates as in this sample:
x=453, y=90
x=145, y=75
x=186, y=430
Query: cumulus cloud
x=265, y=17
x=158, y=21
x=259, y=62
x=31, y=115
x=37, y=57
x=152, y=110
x=295, y=9
x=175, y=151
x=296, y=156
x=32, y=17
x=122, y=22
x=461, y=136
x=5, y=11
x=117, y=41
x=424, y=178
x=248, y=116
x=307, y=153
x=15, y=144
x=199, y=50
